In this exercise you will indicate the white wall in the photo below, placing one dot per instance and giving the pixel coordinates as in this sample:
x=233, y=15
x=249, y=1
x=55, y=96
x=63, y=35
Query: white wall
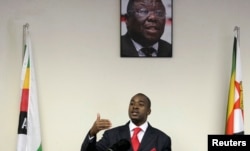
x=80, y=73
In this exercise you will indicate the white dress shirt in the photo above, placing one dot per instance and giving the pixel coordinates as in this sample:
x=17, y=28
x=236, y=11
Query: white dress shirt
x=143, y=127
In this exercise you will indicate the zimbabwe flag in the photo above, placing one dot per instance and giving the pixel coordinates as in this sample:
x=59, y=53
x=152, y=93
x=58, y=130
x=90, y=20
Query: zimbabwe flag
x=235, y=112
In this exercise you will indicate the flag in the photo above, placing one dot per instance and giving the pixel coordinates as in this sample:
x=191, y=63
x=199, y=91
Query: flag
x=235, y=112
x=29, y=136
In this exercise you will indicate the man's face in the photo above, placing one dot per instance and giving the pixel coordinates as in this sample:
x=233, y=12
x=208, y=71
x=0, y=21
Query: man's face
x=146, y=21
x=139, y=109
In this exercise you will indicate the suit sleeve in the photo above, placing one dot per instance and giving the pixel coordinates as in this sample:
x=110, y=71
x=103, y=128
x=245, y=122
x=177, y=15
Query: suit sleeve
x=92, y=145
x=167, y=143
x=89, y=144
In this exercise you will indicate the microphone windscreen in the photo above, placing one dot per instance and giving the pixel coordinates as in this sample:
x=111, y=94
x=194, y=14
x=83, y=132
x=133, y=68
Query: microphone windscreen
x=122, y=145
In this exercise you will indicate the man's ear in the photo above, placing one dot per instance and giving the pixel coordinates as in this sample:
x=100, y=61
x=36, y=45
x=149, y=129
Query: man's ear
x=126, y=19
x=149, y=111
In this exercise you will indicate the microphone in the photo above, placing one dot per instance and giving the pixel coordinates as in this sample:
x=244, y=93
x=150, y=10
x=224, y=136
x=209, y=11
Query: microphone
x=121, y=145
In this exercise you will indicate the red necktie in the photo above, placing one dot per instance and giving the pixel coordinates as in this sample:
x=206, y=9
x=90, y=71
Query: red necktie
x=135, y=140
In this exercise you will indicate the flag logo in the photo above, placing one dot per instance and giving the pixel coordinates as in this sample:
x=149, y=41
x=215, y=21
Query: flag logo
x=29, y=136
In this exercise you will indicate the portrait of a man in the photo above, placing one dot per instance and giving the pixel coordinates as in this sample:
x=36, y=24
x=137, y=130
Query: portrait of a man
x=146, y=28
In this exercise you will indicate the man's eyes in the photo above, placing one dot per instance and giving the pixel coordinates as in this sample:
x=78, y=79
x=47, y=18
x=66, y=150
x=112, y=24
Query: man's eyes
x=140, y=104
x=145, y=12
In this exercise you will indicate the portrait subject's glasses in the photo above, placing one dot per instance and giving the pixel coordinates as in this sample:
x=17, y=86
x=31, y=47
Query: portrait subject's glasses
x=144, y=12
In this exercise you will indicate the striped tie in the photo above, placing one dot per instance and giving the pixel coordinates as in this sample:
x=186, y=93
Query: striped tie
x=148, y=51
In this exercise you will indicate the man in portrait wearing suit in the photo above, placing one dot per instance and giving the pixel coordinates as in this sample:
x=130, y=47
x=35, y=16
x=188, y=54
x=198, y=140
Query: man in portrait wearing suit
x=147, y=138
x=145, y=22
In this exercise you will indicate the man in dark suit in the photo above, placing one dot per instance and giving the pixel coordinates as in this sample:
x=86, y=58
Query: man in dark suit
x=145, y=21
x=150, y=138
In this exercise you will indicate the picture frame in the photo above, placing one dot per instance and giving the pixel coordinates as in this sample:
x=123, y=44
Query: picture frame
x=145, y=25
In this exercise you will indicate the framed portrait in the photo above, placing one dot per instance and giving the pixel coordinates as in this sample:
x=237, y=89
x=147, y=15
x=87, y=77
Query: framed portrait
x=146, y=28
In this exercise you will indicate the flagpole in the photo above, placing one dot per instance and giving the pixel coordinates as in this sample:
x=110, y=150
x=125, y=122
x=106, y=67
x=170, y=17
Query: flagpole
x=237, y=29
x=25, y=29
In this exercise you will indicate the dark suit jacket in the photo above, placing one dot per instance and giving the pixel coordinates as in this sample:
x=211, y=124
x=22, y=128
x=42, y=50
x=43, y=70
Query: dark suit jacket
x=128, y=48
x=153, y=140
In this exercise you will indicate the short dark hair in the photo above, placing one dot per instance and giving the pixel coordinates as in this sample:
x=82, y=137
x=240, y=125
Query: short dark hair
x=149, y=101
x=130, y=5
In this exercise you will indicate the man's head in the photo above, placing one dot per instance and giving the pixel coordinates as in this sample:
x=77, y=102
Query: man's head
x=139, y=108
x=145, y=20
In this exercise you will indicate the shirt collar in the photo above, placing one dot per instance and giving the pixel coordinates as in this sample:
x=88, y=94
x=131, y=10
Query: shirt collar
x=138, y=46
x=143, y=127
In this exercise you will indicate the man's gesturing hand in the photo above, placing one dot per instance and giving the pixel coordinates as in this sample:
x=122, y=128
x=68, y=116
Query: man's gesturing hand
x=99, y=124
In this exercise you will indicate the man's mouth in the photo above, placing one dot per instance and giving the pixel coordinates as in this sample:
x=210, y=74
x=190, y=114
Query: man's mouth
x=135, y=113
x=152, y=29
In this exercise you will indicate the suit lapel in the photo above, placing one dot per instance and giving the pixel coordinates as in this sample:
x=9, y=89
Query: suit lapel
x=128, y=47
x=147, y=138
x=125, y=133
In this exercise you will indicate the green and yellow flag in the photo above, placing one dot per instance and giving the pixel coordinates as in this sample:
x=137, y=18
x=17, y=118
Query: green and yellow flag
x=235, y=112
x=29, y=136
